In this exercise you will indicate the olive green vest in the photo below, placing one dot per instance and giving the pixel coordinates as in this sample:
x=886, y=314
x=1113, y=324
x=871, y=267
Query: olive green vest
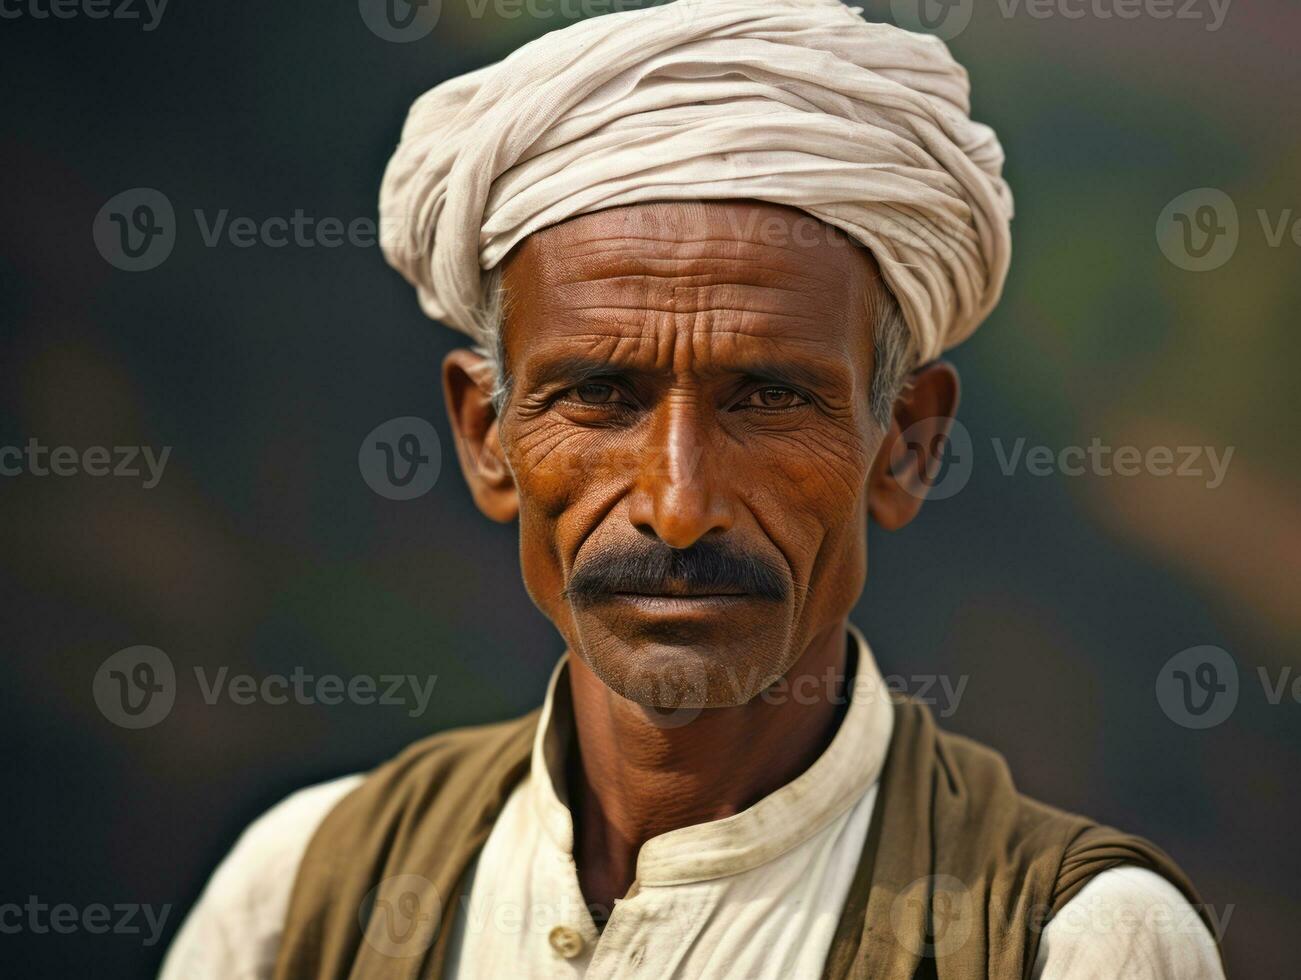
x=957, y=878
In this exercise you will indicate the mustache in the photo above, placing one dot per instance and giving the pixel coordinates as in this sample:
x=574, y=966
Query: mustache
x=650, y=567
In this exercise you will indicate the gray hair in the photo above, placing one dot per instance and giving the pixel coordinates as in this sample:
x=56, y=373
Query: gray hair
x=894, y=352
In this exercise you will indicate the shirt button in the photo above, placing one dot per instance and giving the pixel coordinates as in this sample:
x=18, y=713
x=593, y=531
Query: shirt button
x=566, y=941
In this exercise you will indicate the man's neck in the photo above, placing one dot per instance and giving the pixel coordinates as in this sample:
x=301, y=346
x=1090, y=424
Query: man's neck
x=630, y=780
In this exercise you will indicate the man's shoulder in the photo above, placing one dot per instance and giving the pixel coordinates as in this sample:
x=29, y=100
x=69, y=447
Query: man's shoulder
x=234, y=928
x=1132, y=922
x=1115, y=903
x=275, y=840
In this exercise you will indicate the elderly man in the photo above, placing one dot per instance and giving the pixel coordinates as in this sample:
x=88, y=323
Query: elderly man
x=708, y=254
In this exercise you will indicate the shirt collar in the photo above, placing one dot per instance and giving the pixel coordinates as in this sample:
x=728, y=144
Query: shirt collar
x=779, y=822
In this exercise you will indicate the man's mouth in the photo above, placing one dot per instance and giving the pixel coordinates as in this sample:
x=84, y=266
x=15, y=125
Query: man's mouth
x=680, y=592
x=677, y=601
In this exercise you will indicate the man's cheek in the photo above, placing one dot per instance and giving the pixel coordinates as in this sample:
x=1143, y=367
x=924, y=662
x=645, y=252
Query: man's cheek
x=540, y=562
x=549, y=464
x=822, y=483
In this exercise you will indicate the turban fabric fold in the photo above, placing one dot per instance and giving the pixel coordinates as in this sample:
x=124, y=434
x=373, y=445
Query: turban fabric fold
x=796, y=102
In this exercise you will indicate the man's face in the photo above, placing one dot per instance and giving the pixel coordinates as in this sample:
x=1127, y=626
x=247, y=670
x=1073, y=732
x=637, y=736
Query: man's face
x=690, y=438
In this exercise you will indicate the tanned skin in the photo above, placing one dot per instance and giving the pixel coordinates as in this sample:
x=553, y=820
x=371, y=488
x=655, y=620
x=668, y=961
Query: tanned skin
x=686, y=373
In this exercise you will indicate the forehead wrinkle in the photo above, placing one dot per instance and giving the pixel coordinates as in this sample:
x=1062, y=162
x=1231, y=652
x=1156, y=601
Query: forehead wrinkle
x=690, y=294
x=612, y=263
x=719, y=349
x=634, y=296
x=682, y=351
x=707, y=269
x=603, y=325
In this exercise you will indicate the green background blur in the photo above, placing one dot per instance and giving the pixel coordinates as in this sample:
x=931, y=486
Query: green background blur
x=1059, y=598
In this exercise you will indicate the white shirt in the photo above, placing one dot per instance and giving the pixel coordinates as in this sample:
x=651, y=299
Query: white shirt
x=756, y=895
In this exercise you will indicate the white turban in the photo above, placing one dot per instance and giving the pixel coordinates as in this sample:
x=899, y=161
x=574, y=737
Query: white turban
x=795, y=102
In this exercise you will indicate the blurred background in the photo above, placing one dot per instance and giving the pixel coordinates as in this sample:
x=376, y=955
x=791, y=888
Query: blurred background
x=1059, y=600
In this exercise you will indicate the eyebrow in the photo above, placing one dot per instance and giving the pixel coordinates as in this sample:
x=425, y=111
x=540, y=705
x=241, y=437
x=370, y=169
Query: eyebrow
x=575, y=369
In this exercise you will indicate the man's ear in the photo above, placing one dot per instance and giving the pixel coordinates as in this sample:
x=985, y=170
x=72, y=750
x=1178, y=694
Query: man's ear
x=467, y=388
x=910, y=458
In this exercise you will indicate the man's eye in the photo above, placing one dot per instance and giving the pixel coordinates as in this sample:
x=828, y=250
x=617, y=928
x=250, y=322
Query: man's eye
x=774, y=398
x=594, y=393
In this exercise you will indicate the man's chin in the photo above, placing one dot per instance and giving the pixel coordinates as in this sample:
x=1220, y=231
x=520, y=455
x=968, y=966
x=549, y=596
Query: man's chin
x=674, y=663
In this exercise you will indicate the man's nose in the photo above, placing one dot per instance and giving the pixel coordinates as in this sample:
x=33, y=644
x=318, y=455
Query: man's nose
x=681, y=493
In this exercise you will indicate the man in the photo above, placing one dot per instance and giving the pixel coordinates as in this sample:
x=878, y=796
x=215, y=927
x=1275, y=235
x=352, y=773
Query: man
x=709, y=254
